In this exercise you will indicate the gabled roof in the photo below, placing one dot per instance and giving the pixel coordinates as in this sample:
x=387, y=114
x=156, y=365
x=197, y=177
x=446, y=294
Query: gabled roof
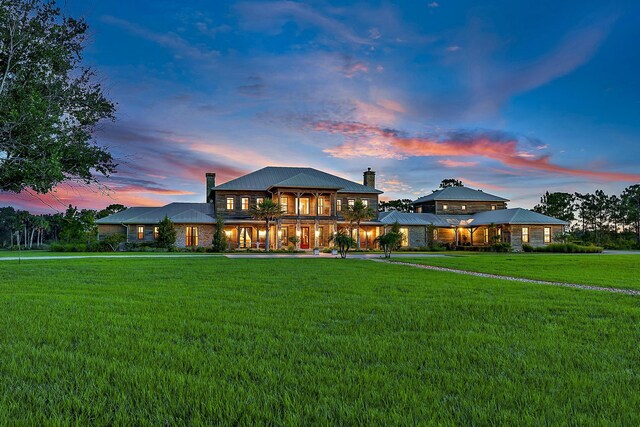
x=180, y=213
x=271, y=176
x=303, y=180
x=514, y=216
x=460, y=194
x=500, y=216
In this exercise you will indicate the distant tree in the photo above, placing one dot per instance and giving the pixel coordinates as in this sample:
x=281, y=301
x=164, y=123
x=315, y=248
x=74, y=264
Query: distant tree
x=50, y=104
x=267, y=211
x=390, y=240
x=343, y=241
x=166, y=234
x=110, y=210
x=451, y=182
x=114, y=240
x=630, y=202
x=557, y=205
x=400, y=205
x=219, y=238
x=356, y=214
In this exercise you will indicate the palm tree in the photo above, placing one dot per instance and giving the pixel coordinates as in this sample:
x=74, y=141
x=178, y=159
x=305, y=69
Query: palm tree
x=357, y=213
x=268, y=211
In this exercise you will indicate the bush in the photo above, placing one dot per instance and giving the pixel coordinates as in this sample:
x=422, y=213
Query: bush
x=501, y=247
x=527, y=247
x=569, y=248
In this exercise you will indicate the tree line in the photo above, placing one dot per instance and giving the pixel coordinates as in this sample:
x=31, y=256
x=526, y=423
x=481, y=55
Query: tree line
x=612, y=221
x=30, y=231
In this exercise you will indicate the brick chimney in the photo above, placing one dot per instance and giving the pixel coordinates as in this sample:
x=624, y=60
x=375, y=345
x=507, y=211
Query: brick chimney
x=211, y=182
x=370, y=178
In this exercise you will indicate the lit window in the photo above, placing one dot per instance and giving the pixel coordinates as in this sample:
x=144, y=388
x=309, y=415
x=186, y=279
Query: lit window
x=435, y=234
x=339, y=205
x=229, y=203
x=525, y=234
x=365, y=203
x=405, y=236
x=547, y=234
x=320, y=205
x=499, y=230
x=486, y=235
x=140, y=232
x=259, y=200
x=445, y=207
x=351, y=202
x=493, y=207
x=464, y=207
x=245, y=203
x=156, y=232
x=192, y=236
x=284, y=203
x=303, y=206
x=320, y=241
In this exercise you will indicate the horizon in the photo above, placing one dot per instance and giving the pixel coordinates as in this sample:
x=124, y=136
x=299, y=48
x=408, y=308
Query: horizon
x=511, y=99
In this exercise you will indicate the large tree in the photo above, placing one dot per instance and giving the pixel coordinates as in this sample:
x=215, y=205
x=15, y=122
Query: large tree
x=558, y=205
x=50, y=104
x=451, y=182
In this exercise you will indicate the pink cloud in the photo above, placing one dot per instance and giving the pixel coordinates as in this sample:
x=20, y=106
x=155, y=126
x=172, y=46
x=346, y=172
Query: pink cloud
x=456, y=163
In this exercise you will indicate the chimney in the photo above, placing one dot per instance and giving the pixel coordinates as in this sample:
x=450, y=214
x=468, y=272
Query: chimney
x=370, y=178
x=211, y=182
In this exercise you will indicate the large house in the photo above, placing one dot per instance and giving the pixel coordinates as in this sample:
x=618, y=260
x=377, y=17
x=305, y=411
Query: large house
x=312, y=202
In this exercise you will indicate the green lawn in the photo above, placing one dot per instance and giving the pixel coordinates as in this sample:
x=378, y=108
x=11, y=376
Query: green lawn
x=617, y=271
x=41, y=253
x=315, y=341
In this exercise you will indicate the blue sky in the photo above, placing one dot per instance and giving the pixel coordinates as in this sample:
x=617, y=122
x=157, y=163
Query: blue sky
x=513, y=97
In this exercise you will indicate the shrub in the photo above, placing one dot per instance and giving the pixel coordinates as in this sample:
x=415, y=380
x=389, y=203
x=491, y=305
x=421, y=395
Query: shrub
x=527, y=247
x=501, y=247
x=570, y=248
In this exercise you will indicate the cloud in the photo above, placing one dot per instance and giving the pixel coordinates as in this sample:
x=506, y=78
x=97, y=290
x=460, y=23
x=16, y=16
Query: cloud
x=255, y=87
x=456, y=163
x=453, y=48
x=433, y=5
x=352, y=67
x=364, y=140
x=170, y=40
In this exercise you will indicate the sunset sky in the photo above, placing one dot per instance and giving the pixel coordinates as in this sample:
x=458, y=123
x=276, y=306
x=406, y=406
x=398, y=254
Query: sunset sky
x=512, y=97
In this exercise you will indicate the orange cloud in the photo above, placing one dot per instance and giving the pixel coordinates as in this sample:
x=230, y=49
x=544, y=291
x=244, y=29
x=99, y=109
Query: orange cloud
x=364, y=140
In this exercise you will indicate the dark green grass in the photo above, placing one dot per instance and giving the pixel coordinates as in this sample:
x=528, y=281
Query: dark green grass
x=617, y=271
x=277, y=341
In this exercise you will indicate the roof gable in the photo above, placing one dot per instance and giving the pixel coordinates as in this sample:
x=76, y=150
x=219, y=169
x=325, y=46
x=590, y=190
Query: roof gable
x=460, y=194
x=303, y=180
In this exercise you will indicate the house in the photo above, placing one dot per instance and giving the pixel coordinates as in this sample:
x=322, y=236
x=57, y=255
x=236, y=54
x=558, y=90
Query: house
x=312, y=202
x=462, y=216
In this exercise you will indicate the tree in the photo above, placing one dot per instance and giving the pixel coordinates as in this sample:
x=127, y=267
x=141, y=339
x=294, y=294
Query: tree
x=110, y=210
x=50, y=105
x=219, y=238
x=344, y=241
x=390, y=240
x=451, y=182
x=631, y=207
x=557, y=205
x=267, y=211
x=114, y=240
x=400, y=205
x=166, y=233
x=357, y=213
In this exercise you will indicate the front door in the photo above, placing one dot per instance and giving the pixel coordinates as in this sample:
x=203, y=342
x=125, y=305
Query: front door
x=304, y=238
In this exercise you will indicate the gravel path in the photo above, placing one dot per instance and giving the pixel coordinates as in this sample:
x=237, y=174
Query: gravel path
x=515, y=279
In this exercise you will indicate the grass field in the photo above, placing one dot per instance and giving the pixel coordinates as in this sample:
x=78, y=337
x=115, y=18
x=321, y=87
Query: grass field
x=316, y=341
x=616, y=271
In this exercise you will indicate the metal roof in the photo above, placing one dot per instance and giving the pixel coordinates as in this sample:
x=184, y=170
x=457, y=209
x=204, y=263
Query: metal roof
x=302, y=180
x=460, y=194
x=265, y=178
x=500, y=216
x=180, y=213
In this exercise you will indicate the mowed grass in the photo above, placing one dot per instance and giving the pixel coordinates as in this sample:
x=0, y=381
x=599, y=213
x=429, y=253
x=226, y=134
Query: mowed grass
x=293, y=341
x=617, y=271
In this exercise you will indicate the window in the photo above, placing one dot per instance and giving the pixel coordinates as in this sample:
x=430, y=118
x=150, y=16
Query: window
x=419, y=209
x=351, y=202
x=547, y=234
x=405, y=236
x=284, y=203
x=320, y=205
x=303, y=206
x=229, y=203
x=259, y=200
x=525, y=234
x=486, y=235
x=320, y=241
x=156, y=232
x=141, y=232
x=435, y=234
x=244, y=236
x=445, y=207
x=493, y=207
x=499, y=231
x=365, y=202
x=339, y=205
x=464, y=207
x=245, y=203
x=284, y=233
x=192, y=236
